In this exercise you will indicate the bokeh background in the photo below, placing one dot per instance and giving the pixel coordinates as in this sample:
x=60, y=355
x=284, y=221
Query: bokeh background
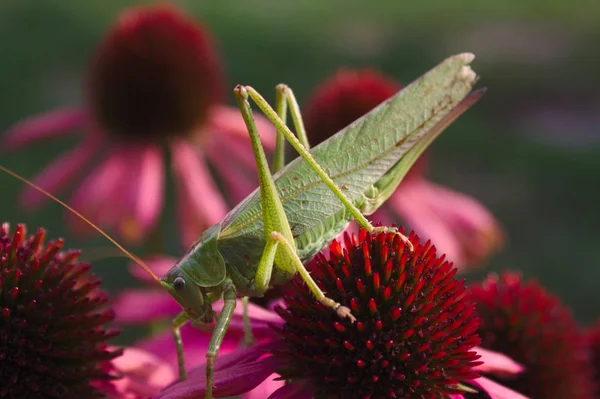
x=530, y=150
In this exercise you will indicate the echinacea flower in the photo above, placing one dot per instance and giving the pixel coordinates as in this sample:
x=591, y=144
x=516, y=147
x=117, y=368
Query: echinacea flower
x=153, y=93
x=414, y=336
x=461, y=227
x=526, y=322
x=52, y=321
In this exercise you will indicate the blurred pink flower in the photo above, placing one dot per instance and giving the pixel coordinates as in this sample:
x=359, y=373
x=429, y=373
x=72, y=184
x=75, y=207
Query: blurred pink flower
x=461, y=227
x=153, y=94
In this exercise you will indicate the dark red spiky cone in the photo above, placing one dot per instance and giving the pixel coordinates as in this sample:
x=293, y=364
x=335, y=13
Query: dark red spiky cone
x=155, y=75
x=529, y=324
x=52, y=339
x=415, y=327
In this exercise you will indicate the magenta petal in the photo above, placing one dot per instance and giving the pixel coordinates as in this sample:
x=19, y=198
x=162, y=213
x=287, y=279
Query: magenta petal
x=265, y=389
x=228, y=124
x=200, y=205
x=58, y=174
x=150, y=182
x=236, y=373
x=497, y=363
x=495, y=390
x=295, y=390
x=144, y=306
x=238, y=178
x=94, y=195
x=159, y=265
x=45, y=126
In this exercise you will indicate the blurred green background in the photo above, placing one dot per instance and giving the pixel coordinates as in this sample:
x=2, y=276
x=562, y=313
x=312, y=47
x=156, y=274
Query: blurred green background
x=530, y=150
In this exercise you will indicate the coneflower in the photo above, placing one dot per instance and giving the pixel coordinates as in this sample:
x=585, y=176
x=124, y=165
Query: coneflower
x=52, y=321
x=531, y=325
x=414, y=337
x=153, y=92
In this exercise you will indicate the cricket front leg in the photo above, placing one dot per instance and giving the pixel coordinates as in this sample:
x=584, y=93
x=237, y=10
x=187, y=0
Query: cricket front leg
x=308, y=158
x=229, y=302
x=179, y=322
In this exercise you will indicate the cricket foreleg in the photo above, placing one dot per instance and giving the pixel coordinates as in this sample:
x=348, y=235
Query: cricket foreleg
x=248, y=336
x=308, y=158
x=342, y=311
x=229, y=301
x=179, y=322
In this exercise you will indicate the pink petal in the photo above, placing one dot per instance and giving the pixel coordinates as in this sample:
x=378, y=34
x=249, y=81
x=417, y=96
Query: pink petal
x=195, y=340
x=149, y=182
x=200, y=204
x=227, y=122
x=144, y=306
x=497, y=363
x=265, y=389
x=195, y=344
x=95, y=194
x=495, y=390
x=45, y=126
x=295, y=390
x=58, y=174
x=239, y=179
x=236, y=373
x=144, y=375
x=459, y=226
x=159, y=265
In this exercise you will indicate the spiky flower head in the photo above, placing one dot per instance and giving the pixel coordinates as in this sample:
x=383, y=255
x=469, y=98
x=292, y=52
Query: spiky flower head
x=529, y=324
x=415, y=326
x=52, y=317
x=156, y=74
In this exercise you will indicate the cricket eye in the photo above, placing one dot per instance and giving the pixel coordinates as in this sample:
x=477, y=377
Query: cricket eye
x=179, y=284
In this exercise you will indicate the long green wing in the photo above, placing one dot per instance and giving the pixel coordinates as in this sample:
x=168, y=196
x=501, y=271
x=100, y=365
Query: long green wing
x=360, y=154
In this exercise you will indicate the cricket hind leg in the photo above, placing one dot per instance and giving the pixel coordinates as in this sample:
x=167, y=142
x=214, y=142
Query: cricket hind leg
x=308, y=158
x=279, y=248
x=248, y=335
x=284, y=97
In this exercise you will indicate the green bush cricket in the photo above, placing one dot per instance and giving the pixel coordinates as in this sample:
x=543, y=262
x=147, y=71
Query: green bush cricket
x=297, y=211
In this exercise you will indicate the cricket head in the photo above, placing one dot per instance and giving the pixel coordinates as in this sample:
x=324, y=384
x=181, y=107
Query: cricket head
x=197, y=274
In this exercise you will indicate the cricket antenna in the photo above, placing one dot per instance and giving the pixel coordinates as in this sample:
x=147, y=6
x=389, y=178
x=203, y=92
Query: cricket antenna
x=98, y=229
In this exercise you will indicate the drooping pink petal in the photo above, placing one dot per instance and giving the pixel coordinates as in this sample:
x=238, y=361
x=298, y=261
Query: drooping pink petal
x=45, y=126
x=149, y=184
x=227, y=123
x=144, y=306
x=196, y=340
x=200, y=204
x=295, y=390
x=159, y=265
x=459, y=226
x=235, y=373
x=94, y=197
x=144, y=375
x=265, y=389
x=497, y=363
x=59, y=173
x=495, y=390
x=238, y=178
